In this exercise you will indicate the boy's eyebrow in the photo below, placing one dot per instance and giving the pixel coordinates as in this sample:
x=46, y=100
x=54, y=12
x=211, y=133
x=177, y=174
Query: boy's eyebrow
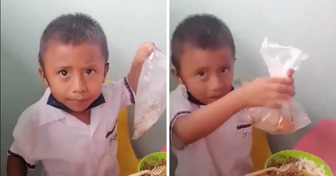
x=225, y=65
x=63, y=67
x=202, y=68
x=68, y=67
x=91, y=65
x=228, y=60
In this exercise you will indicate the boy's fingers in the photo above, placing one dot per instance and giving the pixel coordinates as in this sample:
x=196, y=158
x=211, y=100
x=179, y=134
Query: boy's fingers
x=150, y=47
x=291, y=80
x=282, y=98
x=293, y=87
x=280, y=80
x=284, y=89
x=290, y=72
x=277, y=106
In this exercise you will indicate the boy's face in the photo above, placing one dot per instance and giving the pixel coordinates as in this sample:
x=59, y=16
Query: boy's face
x=75, y=74
x=207, y=73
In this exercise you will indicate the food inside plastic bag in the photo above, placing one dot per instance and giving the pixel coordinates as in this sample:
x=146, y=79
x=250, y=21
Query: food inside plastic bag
x=151, y=93
x=279, y=121
x=291, y=116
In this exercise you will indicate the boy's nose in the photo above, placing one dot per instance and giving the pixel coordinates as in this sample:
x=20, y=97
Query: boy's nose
x=79, y=85
x=216, y=84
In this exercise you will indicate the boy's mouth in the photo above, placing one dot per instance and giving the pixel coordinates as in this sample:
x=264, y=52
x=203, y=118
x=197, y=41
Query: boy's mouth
x=79, y=100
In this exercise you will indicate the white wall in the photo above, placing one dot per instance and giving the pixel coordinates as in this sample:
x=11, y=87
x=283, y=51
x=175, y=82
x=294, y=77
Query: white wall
x=306, y=24
x=126, y=24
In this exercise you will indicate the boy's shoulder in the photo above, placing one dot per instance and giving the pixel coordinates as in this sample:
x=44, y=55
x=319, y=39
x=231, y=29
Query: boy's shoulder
x=118, y=91
x=35, y=112
x=179, y=102
x=113, y=89
x=178, y=94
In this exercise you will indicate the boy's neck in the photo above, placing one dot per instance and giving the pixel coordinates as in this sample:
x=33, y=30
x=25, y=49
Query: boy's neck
x=53, y=102
x=83, y=116
x=194, y=100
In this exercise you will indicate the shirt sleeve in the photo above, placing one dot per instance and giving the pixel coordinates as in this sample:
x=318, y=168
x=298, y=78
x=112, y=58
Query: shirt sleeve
x=120, y=91
x=25, y=140
x=128, y=93
x=179, y=108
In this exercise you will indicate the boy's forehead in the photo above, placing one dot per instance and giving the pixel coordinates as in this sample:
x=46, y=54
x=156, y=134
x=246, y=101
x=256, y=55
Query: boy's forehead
x=62, y=50
x=62, y=47
x=194, y=58
x=194, y=52
x=56, y=42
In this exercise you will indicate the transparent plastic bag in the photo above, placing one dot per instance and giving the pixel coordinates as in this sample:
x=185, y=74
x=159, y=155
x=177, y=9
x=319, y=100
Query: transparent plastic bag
x=151, y=93
x=291, y=116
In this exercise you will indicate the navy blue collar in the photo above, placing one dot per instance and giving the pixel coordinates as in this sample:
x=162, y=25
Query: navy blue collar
x=194, y=100
x=53, y=102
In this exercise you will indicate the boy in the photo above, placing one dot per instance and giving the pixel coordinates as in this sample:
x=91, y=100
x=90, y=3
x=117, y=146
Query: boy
x=72, y=128
x=210, y=135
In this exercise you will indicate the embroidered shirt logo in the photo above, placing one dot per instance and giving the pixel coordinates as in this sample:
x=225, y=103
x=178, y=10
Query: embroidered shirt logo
x=113, y=134
x=246, y=135
x=243, y=126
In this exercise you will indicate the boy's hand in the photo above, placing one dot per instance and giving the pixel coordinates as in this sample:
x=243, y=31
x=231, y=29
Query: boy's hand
x=290, y=73
x=144, y=50
x=268, y=92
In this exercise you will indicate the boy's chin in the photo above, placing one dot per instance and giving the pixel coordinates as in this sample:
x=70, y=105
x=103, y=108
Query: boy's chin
x=78, y=109
x=211, y=100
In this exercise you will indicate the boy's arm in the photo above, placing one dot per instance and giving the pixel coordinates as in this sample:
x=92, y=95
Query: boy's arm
x=204, y=121
x=142, y=53
x=16, y=166
x=268, y=92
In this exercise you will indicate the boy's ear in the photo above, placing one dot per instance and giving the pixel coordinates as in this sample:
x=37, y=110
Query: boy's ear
x=107, y=67
x=43, y=77
x=176, y=76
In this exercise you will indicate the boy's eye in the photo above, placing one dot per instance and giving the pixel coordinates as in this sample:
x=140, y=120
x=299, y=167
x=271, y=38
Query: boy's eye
x=224, y=70
x=89, y=71
x=63, y=72
x=201, y=73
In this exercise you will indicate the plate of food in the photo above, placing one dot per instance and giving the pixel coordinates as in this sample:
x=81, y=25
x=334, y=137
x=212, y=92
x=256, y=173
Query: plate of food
x=153, y=160
x=301, y=164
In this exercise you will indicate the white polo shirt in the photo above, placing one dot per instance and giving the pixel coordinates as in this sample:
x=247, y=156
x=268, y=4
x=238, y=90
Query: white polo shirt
x=66, y=146
x=225, y=152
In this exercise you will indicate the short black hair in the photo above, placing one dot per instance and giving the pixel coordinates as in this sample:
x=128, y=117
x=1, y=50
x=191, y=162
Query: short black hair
x=203, y=31
x=73, y=29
